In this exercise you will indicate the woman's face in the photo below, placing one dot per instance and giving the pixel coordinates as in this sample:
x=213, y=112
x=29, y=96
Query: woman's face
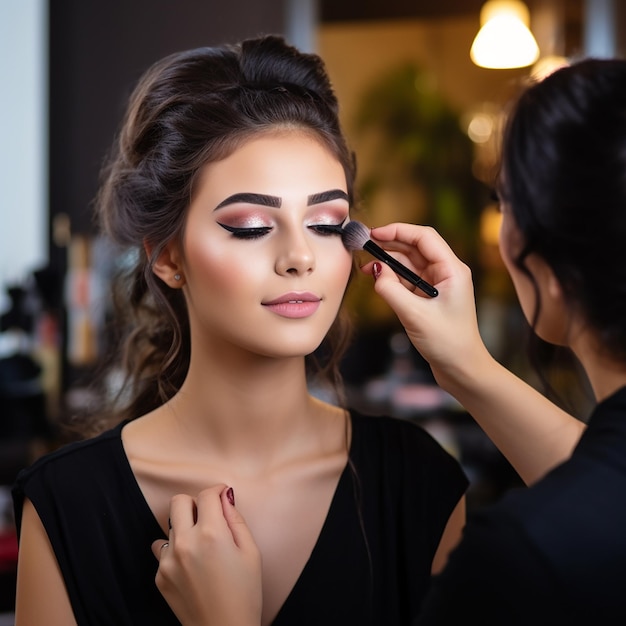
x=510, y=243
x=264, y=266
x=553, y=322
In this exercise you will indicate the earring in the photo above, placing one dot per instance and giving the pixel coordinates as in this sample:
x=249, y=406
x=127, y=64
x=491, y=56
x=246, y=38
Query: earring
x=176, y=276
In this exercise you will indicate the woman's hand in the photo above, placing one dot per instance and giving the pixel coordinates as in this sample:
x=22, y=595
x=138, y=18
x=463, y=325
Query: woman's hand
x=443, y=329
x=210, y=567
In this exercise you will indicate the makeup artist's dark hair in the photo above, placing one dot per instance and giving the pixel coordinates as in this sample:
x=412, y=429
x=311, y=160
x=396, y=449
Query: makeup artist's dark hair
x=563, y=174
x=189, y=109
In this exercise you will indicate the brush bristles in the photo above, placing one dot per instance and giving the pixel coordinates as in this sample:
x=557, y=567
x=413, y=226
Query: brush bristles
x=355, y=235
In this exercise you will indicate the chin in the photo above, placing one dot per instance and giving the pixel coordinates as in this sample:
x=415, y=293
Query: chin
x=296, y=349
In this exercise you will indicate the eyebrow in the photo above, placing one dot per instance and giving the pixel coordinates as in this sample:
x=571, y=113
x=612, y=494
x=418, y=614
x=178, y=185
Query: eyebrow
x=327, y=196
x=251, y=198
x=275, y=202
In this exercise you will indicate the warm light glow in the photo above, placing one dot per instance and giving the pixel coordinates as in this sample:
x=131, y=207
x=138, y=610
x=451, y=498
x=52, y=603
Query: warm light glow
x=490, y=222
x=546, y=65
x=504, y=40
x=480, y=128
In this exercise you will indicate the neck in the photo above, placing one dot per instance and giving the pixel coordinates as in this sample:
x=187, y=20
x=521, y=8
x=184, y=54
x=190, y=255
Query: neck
x=606, y=374
x=252, y=409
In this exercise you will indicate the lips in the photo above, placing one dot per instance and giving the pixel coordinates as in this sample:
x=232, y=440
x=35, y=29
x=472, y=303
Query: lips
x=294, y=305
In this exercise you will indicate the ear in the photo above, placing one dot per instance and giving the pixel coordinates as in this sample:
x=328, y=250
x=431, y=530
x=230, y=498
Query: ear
x=545, y=278
x=168, y=266
x=555, y=291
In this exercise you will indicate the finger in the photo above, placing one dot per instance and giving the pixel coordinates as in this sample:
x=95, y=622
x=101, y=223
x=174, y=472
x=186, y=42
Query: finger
x=210, y=514
x=404, y=302
x=423, y=239
x=431, y=255
x=241, y=533
x=158, y=546
x=386, y=280
x=182, y=513
x=369, y=268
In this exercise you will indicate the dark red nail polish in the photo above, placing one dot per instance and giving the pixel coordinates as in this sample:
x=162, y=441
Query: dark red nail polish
x=230, y=494
x=376, y=270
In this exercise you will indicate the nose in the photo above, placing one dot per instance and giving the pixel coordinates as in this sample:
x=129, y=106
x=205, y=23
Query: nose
x=295, y=256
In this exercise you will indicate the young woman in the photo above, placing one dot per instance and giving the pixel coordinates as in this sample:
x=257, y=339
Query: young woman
x=227, y=191
x=554, y=553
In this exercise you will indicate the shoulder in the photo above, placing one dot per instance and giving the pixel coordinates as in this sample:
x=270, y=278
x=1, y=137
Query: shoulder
x=406, y=479
x=402, y=436
x=84, y=452
x=64, y=470
x=395, y=445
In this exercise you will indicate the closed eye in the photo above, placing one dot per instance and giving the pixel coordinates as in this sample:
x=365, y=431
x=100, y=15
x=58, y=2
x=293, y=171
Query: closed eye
x=247, y=233
x=327, y=230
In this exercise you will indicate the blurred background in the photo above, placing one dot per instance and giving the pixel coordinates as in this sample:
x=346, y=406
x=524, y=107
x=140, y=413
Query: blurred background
x=422, y=102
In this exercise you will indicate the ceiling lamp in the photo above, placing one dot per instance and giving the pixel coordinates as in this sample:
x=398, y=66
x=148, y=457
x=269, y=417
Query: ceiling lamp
x=504, y=39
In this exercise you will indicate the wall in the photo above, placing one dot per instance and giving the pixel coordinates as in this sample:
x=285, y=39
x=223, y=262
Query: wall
x=23, y=176
x=98, y=50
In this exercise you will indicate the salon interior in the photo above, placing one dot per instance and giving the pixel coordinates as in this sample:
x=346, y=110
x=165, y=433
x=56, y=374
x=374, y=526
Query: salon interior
x=422, y=86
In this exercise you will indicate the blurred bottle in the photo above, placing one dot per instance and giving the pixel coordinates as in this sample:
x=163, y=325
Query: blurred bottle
x=81, y=297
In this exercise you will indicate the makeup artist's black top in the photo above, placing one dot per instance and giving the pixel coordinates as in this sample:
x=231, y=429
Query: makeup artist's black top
x=370, y=565
x=550, y=554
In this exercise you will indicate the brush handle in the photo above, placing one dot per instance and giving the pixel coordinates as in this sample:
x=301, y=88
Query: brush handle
x=400, y=269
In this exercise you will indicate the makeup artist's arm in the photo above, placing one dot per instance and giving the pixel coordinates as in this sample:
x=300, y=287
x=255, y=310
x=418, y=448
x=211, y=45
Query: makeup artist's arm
x=210, y=567
x=532, y=432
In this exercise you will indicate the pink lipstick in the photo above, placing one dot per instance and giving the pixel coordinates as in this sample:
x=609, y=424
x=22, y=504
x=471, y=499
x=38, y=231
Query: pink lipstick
x=294, y=305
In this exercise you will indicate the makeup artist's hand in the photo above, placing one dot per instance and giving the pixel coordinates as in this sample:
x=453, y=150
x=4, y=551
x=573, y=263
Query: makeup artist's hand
x=443, y=329
x=210, y=567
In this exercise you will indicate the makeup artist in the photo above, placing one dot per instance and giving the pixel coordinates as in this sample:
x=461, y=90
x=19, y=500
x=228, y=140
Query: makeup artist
x=553, y=553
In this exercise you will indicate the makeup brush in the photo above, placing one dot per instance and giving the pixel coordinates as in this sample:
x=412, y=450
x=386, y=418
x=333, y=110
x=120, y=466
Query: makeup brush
x=356, y=236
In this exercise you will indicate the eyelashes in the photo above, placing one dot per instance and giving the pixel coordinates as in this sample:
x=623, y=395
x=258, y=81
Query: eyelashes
x=328, y=229
x=246, y=233
x=325, y=230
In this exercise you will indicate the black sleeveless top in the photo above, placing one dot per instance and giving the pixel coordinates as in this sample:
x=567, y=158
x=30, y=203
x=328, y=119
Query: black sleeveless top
x=370, y=565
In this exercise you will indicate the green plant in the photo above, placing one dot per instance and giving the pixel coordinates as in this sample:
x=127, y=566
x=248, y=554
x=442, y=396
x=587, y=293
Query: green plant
x=416, y=140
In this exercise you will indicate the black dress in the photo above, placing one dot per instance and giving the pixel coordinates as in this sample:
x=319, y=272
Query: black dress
x=370, y=565
x=552, y=554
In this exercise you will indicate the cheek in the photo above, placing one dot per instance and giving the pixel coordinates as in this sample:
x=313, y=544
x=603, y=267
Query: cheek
x=509, y=244
x=337, y=265
x=504, y=243
x=216, y=267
